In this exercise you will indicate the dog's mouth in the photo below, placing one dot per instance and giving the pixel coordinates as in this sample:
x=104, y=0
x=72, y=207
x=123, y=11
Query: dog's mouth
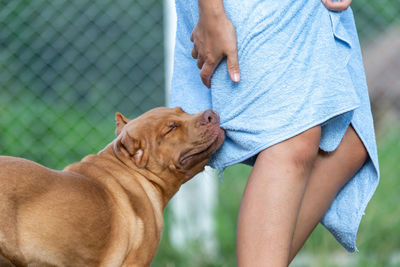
x=188, y=157
x=205, y=151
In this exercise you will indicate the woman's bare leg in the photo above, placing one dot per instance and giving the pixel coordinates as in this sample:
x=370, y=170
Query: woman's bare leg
x=330, y=172
x=272, y=199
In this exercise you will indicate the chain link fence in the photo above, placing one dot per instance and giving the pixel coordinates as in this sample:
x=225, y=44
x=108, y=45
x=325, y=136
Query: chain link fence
x=66, y=67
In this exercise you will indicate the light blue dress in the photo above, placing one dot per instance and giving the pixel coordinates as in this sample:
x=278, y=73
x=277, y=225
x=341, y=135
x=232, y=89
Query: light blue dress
x=300, y=67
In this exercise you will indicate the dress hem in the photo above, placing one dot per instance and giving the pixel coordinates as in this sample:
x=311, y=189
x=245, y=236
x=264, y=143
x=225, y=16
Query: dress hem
x=221, y=167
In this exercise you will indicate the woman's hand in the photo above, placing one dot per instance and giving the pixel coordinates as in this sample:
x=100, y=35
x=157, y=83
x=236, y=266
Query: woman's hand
x=337, y=5
x=214, y=37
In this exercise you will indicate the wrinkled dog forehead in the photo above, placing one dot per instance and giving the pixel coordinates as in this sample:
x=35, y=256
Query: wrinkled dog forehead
x=167, y=112
x=158, y=114
x=154, y=120
x=161, y=116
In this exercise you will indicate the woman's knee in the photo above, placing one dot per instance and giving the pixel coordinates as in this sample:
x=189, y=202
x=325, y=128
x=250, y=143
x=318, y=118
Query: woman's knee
x=305, y=148
x=299, y=151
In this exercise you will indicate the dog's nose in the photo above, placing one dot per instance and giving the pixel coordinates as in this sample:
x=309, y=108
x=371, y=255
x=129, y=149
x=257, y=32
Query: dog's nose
x=210, y=116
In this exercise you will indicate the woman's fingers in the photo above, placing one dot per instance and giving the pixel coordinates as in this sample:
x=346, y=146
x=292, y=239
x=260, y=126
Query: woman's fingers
x=200, y=62
x=191, y=36
x=207, y=68
x=337, y=5
x=206, y=72
x=195, y=54
x=233, y=65
x=209, y=65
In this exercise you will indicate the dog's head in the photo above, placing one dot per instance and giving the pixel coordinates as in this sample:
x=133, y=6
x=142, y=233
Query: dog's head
x=168, y=141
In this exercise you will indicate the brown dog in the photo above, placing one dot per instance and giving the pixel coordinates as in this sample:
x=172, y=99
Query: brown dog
x=106, y=210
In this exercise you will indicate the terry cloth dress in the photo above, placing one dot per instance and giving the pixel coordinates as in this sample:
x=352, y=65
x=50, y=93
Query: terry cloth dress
x=300, y=67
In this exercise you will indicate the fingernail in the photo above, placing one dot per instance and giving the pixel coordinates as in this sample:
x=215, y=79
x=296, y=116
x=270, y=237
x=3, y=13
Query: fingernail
x=236, y=77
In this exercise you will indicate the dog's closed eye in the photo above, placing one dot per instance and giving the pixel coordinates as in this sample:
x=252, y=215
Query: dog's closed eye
x=171, y=126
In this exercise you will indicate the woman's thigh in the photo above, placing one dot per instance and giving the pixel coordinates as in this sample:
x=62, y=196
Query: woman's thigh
x=271, y=200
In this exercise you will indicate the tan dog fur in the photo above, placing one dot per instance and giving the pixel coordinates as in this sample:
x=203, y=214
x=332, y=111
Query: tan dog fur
x=106, y=210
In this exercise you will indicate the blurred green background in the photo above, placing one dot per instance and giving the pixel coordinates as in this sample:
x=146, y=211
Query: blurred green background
x=66, y=67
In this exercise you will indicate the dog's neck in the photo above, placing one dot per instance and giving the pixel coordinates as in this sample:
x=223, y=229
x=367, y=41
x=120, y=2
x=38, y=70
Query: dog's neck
x=164, y=184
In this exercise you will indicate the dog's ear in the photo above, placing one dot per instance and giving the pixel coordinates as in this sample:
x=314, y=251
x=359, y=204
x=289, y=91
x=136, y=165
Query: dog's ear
x=136, y=150
x=121, y=122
